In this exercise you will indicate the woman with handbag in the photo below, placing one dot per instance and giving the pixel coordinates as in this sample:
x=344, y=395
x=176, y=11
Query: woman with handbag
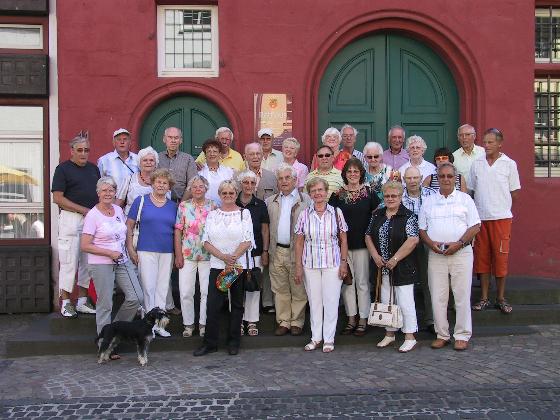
x=321, y=253
x=391, y=238
x=357, y=202
x=228, y=235
x=190, y=255
x=154, y=252
x=259, y=215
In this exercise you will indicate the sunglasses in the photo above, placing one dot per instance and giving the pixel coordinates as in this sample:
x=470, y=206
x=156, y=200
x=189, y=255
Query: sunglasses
x=372, y=156
x=448, y=176
x=442, y=158
x=392, y=196
x=82, y=150
x=325, y=155
x=227, y=193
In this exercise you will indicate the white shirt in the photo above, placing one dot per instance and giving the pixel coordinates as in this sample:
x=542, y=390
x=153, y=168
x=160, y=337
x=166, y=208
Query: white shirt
x=131, y=188
x=286, y=204
x=492, y=186
x=112, y=165
x=214, y=179
x=463, y=160
x=426, y=169
x=446, y=219
x=272, y=161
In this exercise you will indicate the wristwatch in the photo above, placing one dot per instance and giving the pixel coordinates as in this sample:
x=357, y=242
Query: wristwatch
x=462, y=243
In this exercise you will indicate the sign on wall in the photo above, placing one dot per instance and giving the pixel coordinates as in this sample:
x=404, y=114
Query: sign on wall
x=274, y=111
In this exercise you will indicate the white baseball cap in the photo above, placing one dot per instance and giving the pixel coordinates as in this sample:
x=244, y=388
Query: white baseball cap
x=120, y=131
x=263, y=131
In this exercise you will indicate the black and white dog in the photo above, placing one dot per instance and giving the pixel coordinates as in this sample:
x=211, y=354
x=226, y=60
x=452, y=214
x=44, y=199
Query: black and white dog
x=139, y=331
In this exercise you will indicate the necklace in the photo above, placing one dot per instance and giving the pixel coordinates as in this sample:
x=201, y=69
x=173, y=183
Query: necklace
x=145, y=181
x=106, y=211
x=197, y=204
x=158, y=200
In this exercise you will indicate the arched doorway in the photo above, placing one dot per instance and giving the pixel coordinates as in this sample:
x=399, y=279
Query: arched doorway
x=386, y=79
x=197, y=117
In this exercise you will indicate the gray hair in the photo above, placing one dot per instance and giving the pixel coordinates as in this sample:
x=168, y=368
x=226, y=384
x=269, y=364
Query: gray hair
x=349, y=126
x=198, y=178
x=176, y=128
x=224, y=130
x=142, y=153
x=373, y=145
x=82, y=137
x=393, y=185
x=466, y=126
x=253, y=144
x=228, y=183
x=412, y=169
x=317, y=180
x=246, y=174
x=396, y=127
x=105, y=180
x=416, y=139
x=285, y=167
x=331, y=131
x=292, y=140
x=447, y=165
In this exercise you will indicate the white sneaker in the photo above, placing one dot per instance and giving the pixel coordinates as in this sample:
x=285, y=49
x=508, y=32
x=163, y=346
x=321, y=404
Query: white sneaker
x=162, y=332
x=202, y=330
x=407, y=346
x=188, y=331
x=386, y=341
x=68, y=311
x=86, y=308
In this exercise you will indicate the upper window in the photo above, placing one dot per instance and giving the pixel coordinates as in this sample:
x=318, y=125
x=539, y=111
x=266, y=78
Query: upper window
x=188, y=41
x=21, y=36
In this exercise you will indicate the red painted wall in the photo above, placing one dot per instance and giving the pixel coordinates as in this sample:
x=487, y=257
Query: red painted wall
x=108, y=76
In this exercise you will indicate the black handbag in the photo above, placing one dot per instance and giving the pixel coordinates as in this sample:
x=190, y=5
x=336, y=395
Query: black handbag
x=252, y=281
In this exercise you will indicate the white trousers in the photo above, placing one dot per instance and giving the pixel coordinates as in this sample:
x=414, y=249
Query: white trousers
x=187, y=281
x=155, y=269
x=323, y=293
x=252, y=301
x=458, y=268
x=404, y=297
x=358, y=262
x=70, y=227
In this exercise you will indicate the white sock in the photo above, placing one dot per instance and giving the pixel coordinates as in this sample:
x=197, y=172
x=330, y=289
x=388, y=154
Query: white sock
x=82, y=300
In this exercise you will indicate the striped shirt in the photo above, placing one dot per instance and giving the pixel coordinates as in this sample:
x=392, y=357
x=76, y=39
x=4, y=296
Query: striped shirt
x=321, y=249
x=112, y=165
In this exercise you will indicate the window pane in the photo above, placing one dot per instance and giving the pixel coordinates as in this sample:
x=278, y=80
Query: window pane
x=547, y=35
x=547, y=127
x=21, y=172
x=21, y=36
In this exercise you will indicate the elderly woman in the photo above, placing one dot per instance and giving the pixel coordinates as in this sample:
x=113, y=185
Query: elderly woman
x=357, y=202
x=154, y=253
x=416, y=147
x=290, y=149
x=213, y=170
x=227, y=237
x=443, y=155
x=190, y=255
x=321, y=253
x=259, y=216
x=138, y=183
x=391, y=238
x=378, y=173
x=332, y=138
x=104, y=238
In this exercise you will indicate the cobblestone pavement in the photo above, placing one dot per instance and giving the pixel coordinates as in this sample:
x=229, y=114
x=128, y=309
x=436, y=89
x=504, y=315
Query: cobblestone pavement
x=497, y=378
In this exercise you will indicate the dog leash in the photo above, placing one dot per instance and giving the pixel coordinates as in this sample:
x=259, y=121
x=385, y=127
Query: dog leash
x=140, y=301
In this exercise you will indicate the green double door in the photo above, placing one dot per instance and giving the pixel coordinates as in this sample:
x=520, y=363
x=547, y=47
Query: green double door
x=197, y=117
x=383, y=80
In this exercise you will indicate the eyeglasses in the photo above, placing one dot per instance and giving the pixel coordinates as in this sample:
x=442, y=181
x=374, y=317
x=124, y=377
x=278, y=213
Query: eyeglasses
x=465, y=134
x=442, y=158
x=249, y=182
x=448, y=176
x=227, y=193
x=372, y=156
x=82, y=150
x=325, y=155
x=392, y=196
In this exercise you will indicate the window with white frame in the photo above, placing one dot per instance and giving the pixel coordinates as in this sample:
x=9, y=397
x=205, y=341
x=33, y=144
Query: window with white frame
x=188, y=41
x=25, y=37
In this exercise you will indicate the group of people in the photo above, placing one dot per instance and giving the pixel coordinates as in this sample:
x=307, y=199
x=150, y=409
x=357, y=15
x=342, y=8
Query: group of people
x=388, y=218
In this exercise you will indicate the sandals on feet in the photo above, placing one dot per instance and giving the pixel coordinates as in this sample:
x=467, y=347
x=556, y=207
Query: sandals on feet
x=349, y=329
x=252, y=329
x=504, y=306
x=360, y=330
x=312, y=345
x=328, y=347
x=481, y=305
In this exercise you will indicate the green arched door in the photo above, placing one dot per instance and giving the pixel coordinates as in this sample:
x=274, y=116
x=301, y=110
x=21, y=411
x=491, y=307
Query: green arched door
x=388, y=79
x=197, y=117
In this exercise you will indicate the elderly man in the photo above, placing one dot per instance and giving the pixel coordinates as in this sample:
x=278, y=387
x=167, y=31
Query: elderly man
x=283, y=210
x=271, y=158
x=121, y=162
x=230, y=157
x=325, y=170
x=468, y=152
x=74, y=191
x=414, y=196
x=495, y=182
x=395, y=156
x=349, y=135
x=266, y=181
x=448, y=223
x=180, y=164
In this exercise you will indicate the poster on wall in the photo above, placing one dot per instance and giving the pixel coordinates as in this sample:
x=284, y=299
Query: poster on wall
x=274, y=111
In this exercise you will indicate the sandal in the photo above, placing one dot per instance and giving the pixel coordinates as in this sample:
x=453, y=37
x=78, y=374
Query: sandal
x=481, y=305
x=360, y=330
x=242, y=329
x=504, y=306
x=349, y=329
x=328, y=347
x=252, y=329
x=312, y=345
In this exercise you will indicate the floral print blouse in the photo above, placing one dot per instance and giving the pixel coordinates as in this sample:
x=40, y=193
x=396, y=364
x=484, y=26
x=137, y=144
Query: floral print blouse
x=191, y=221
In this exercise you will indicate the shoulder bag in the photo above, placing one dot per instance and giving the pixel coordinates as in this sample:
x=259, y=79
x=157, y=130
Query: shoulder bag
x=136, y=231
x=382, y=314
x=347, y=279
x=252, y=281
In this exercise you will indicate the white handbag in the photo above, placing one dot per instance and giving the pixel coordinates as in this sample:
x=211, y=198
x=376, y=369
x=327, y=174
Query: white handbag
x=383, y=314
x=136, y=230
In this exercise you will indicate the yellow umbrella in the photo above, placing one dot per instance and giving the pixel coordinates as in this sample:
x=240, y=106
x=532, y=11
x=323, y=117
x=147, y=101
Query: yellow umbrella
x=13, y=176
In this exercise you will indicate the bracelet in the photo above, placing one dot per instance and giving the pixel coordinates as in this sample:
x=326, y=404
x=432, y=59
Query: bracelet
x=343, y=260
x=462, y=243
x=395, y=258
x=265, y=250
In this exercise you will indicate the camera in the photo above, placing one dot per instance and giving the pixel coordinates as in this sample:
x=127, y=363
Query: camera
x=443, y=247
